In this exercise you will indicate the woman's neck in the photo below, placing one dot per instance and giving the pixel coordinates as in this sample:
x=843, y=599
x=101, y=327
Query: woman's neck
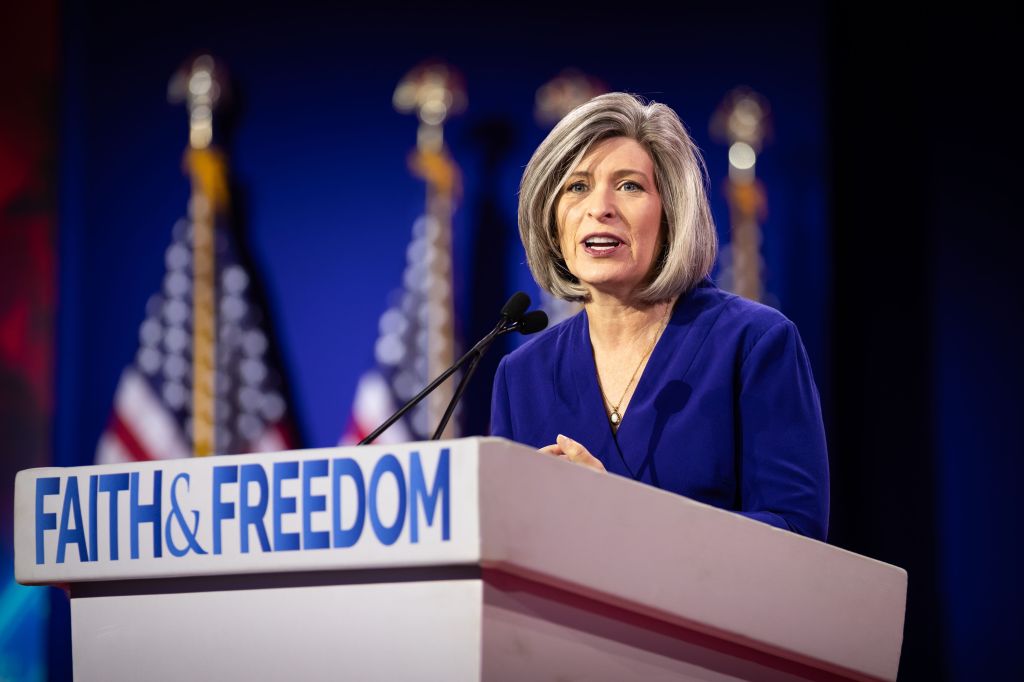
x=615, y=323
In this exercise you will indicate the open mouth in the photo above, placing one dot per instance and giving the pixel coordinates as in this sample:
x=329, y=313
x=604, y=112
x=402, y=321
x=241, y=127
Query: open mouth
x=601, y=245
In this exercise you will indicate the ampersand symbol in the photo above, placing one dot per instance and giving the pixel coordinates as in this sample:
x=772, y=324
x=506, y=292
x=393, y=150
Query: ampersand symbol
x=179, y=518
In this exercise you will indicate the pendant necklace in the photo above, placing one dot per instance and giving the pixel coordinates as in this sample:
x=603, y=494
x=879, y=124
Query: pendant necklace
x=615, y=417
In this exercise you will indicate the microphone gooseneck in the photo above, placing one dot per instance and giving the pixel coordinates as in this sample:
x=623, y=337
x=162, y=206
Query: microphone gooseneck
x=524, y=323
x=513, y=318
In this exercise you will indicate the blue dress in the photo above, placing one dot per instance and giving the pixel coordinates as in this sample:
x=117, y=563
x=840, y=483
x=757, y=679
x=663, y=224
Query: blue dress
x=726, y=411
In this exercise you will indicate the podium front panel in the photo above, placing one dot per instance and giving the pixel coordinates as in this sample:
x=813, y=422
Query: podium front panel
x=335, y=508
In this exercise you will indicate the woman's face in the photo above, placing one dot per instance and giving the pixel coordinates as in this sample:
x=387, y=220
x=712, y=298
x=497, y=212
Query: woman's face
x=609, y=217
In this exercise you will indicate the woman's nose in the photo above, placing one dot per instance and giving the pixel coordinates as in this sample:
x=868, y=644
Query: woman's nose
x=601, y=205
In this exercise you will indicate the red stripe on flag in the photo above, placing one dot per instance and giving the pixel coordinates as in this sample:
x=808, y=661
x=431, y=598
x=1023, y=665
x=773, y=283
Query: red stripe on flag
x=355, y=432
x=286, y=432
x=128, y=440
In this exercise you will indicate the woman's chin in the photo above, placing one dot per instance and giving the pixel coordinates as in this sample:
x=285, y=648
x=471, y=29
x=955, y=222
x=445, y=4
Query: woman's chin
x=621, y=289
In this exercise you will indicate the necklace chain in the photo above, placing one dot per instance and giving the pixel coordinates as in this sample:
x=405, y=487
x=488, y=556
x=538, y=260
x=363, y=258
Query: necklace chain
x=615, y=417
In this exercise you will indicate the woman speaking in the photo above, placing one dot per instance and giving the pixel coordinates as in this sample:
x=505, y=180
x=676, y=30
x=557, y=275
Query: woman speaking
x=662, y=377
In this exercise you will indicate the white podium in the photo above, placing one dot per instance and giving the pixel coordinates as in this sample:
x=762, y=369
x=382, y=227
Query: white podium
x=461, y=560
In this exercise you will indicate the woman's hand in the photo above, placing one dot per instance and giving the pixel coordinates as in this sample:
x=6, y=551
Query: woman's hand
x=569, y=449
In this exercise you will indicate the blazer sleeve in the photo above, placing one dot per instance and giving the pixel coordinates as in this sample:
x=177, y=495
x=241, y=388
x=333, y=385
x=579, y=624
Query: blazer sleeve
x=501, y=416
x=783, y=456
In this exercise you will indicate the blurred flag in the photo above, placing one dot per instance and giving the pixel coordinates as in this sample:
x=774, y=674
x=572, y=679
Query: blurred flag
x=400, y=355
x=204, y=379
x=152, y=415
x=416, y=339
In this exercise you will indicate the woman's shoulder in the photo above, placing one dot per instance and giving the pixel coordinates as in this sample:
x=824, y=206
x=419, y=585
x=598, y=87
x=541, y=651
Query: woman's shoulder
x=735, y=316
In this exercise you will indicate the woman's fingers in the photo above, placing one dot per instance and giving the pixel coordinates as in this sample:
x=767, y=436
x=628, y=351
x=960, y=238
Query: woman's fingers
x=576, y=452
x=573, y=451
x=569, y=446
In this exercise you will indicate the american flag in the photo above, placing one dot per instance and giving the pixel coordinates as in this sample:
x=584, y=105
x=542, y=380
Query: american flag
x=416, y=340
x=152, y=412
x=401, y=367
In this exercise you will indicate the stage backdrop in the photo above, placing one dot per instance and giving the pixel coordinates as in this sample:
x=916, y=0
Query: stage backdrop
x=319, y=157
x=327, y=202
x=890, y=238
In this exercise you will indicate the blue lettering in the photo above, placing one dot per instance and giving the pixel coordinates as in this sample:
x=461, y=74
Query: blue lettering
x=176, y=516
x=48, y=520
x=387, y=534
x=252, y=515
x=113, y=484
x=284, y=505
x=418, y=491
x=221, y=510
x=68, y=535
x=312, y=539
x=139, y=514
x=94, y=539
x=346, y=466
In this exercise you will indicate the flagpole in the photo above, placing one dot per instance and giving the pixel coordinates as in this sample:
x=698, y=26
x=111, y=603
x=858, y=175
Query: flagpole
x=742, y=121
x=434, y=92
x=198, y=86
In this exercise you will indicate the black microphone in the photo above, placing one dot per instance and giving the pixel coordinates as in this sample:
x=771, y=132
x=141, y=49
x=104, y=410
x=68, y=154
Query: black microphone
x=513, y=315
x=515, y=307
x=533, y=322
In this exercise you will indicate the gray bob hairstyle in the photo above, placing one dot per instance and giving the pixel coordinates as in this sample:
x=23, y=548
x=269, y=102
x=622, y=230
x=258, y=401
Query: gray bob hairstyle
x=689, y=243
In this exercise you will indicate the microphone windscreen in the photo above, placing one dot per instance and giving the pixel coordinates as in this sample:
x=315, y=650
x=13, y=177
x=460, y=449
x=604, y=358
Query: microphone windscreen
x=533, y=321
x=516, y=306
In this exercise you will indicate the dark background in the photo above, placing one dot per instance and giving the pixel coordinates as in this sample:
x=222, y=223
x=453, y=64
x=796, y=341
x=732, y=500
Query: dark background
x=888, y=238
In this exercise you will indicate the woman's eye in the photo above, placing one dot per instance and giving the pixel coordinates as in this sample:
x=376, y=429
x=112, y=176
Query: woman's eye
x=576, y=187
x=631, y=186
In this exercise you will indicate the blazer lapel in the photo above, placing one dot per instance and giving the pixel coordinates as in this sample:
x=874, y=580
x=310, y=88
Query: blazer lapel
x=589, y=420
x=662, y=389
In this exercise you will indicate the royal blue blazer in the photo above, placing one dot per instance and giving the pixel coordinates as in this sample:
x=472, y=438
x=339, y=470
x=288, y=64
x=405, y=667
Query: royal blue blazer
x=726, y=411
